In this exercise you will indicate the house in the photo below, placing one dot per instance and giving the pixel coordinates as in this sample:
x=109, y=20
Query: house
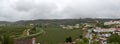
x=104, y=30
x=77, y=26
x=111, y=22
x=24, y=41
x=103, y=33
x=117, y=31
x=70, y=26
x=107, y=32
x=63, y=26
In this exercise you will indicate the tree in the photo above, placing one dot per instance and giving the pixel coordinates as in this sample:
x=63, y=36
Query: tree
x=34, y=28
x=114, y=38
x=85, y=40
x=101, y=24
x=82, y=41
x=80, y=36
x=69, y=39
x=95, y=42
x=6, y=39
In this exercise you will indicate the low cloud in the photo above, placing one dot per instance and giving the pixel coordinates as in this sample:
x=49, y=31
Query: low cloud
x=14, y=10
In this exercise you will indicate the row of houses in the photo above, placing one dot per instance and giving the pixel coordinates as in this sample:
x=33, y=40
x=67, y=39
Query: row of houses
x=70, y=26
x=112, y=22
x=103, y=33
x=77, y=26
x=113, y=30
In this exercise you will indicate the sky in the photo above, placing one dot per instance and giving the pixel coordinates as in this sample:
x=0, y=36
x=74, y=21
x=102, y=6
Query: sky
x=14, y=10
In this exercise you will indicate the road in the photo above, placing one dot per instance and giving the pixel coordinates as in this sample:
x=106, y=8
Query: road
x=88, y=33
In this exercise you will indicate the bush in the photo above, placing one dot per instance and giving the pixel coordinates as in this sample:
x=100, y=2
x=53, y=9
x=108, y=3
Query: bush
x=69, y=39
x=115, y=38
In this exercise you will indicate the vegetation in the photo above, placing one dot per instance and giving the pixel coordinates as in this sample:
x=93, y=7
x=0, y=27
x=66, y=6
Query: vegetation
x=96, y=42
x=114, y=39
x=82, y=41
x=55, y=35
x=69, y=39
x=12, y=30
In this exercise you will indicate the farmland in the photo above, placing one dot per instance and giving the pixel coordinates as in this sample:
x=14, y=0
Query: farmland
x=52, y=35
x=55, y=35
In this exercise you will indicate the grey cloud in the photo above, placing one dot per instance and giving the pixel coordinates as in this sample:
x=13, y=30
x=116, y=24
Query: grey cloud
x=102, y=9
x=58, y=9
x=37, y=11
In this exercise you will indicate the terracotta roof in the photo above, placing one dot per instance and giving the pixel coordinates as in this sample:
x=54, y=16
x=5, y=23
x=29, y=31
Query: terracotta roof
x=117, y=29
x=23, y=41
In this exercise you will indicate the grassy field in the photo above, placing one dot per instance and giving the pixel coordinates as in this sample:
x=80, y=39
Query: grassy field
x=55, y=35
x=52, y=35
x=11, y=30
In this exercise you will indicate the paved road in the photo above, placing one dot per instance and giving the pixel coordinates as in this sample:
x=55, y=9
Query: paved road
x=40, y=31
x=88, y=33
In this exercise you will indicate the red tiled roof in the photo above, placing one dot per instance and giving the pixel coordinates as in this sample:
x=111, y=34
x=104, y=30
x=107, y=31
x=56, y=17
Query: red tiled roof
x=23, y=41
x=117, y=29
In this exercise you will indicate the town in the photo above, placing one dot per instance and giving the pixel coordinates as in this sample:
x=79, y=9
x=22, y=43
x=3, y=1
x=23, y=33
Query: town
x=59, y=21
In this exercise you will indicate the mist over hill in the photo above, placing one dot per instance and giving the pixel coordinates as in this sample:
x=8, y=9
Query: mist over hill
x=63, y=21
x=58, y=21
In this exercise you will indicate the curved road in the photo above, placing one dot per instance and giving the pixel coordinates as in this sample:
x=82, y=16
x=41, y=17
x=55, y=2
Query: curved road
x=33, y=35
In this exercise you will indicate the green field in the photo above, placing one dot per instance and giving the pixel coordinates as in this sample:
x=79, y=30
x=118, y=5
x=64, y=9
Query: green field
x=55, y=35
x=52, y=35
x=12, y=30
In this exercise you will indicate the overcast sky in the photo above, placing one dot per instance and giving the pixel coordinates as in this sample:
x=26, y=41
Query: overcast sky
x=14, y=10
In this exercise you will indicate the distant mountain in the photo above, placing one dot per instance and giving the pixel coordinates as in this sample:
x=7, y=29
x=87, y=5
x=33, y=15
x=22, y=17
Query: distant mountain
x=59, y=21
x=63, y=21
x=5, y=22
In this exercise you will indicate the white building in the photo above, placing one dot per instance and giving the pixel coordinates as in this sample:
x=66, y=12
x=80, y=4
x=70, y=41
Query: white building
x=117, y=31
x=104, y=30
x=77, y=26
x=113, y=30
x=70, y=26
x=111, y=22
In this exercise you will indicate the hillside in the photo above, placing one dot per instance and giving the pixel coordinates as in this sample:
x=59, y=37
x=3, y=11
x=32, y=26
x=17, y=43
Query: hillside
x=58, y=21
x=63, y=21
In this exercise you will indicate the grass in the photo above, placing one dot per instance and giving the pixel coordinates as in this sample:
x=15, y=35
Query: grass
x=11, y=30
x=55, y=35
x=52, y=35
